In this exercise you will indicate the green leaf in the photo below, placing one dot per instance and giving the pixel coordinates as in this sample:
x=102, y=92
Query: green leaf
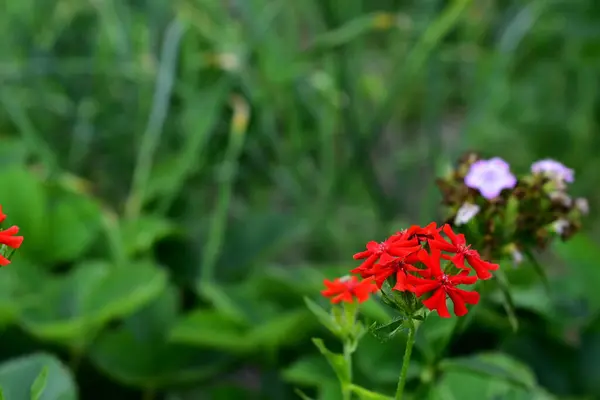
x=140, y=353
x=364, y=394
x=310, y=370
x=223, y=301
x=282, y=329
x=210, y=328
x=325, y=318
x=337, y=361
x=499, y=366
x=141, y=233
x=38, y=386
x=71, y=308
x=581, y=255
x=24, y=378
x=301, y=394
x=510, y=217
x=385, y=332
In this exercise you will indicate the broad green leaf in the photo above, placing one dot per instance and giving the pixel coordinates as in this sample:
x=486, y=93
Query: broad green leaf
x=498, y=366
x=282, y=329
x=23, y=198
x=72, y=224
x=224, y=301
x=310, y=370
x=434, y=334
x=459, y=385
x=70, y=308
x=38, y=386
x=24, y=378
x=337, y=361
x=140, y=354
x=140, y=234
x=59, y=225
x=323, y=316
x=211, y=329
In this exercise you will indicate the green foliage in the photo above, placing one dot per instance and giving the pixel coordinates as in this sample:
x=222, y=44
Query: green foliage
x=170, y=242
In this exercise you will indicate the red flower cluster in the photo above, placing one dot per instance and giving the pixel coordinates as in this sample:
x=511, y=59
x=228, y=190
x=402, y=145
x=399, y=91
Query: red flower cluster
x=411, y=259
x=8, y=238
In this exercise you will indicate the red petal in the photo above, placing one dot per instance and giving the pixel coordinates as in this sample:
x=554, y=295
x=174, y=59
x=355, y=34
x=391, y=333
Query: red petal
x=374, y=247
x=442, y=245
x=438, y=302
x=459, y=304
x=482, y=268
x=462, y=279
x=431, y=261
x=2, y=217
x=469, y=297
x=361, y=255
x=420, y=290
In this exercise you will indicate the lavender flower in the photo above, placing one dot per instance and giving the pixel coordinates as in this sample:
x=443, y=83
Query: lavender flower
x=490, y=177
x=553, y=169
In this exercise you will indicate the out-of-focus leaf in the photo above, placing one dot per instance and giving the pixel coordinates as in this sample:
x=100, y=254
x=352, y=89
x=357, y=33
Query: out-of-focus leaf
x=211, y=329
x=38, y=386
x=140, y=234
x=24, y=378
x=140, y=353
x=583, y=276
x=69, y=308
x=323, y=316
x=310, y=370
x=493, y=365
x=337, y=361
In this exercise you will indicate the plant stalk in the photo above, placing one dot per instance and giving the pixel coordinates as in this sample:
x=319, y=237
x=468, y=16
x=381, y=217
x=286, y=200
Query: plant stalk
x=406, y=361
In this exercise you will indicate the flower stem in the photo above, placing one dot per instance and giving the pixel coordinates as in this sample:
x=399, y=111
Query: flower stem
x=406, y=361
x=347, y=386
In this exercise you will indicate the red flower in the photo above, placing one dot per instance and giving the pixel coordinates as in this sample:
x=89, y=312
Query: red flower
x=441, y=285
x=8, y=238
x=426, y=233
x=394, y=246
x=463, y=252
x=2, y=216
x=399, y=267
x=347, y=289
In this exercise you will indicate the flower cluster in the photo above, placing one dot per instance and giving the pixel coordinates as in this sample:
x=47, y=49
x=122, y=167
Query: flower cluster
x=504, y=214
x=407, y=269
x=8, y=240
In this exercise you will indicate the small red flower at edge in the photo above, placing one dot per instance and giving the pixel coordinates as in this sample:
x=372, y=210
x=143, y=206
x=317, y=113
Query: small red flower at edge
x=8, y=238
x=463, y=251
x=441, y=285
x=348, y=288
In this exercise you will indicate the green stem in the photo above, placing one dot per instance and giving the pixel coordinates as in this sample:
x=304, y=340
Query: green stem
x=347, y=386
x=406, y=361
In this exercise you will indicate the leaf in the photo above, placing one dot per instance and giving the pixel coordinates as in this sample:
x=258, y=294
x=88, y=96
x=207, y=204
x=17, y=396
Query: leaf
x=140, y=234
x=69, y=309
x=325, y=318
x=301, y=394
x=310, y=370
x=38, y=386
x=364, y=394
x=210, y=328
x=581, y=255
x=282, y=329
x=24, y=378
x=385, y=332
x=140, y=353
x=337, y=361
x=493, y=365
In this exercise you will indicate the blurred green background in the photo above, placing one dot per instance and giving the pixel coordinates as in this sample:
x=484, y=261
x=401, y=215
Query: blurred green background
x=168, y=244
